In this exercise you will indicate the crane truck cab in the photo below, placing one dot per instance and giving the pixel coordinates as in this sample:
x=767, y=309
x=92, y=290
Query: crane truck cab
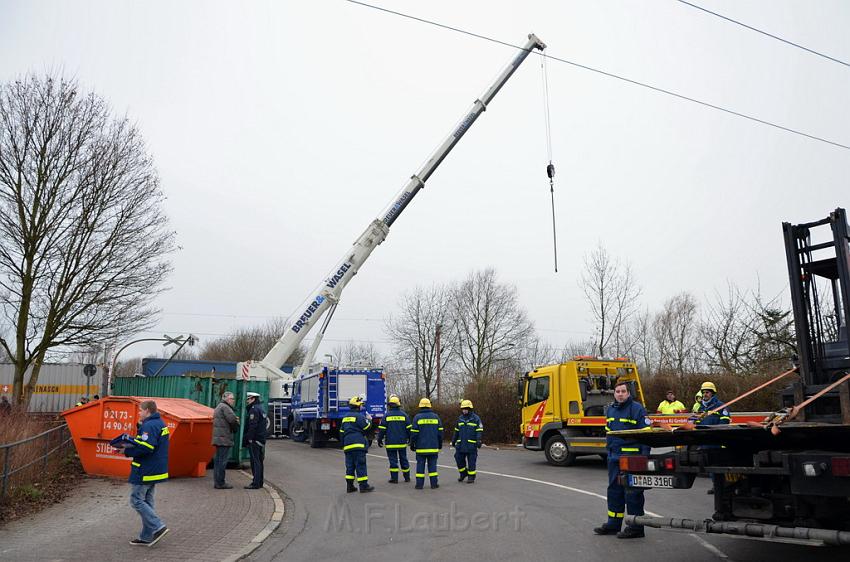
x=563, y=405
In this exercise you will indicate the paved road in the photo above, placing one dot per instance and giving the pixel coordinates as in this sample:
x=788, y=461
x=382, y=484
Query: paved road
x=520, y=508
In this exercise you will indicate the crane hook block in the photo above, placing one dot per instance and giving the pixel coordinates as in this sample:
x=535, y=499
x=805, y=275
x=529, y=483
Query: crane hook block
x=550, y=170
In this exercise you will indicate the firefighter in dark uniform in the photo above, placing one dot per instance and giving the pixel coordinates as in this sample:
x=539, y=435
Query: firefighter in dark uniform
x=712, y=412
x=394, y=434
x=255, y=438
x=426, y=439
x=623, y=413
x=354, y=443
x=467, y=441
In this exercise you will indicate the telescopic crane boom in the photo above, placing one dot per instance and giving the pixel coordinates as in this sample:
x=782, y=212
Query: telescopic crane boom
x=327, y=295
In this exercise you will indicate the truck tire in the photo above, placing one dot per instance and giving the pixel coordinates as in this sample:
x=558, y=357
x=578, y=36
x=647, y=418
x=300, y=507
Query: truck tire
x=557, y=452
x=315, y=437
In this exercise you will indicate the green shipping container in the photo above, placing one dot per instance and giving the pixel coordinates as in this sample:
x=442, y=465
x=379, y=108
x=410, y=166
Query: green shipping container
x=203, y=390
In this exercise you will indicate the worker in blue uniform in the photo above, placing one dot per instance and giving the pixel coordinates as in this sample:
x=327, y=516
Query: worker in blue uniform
x=394, y=434
x=623, y=413
x=712, y=412
x=254, y=438
x=354, y=443
x=467, y=441
x=426, y=439
x=149, y=451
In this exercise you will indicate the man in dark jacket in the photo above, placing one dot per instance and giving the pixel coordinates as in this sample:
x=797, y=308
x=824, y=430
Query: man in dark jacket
x=426, y=438
x=255, y=438
x=354, y=444
x=394, y=433
x=467, y=441
x=711, y=411
x=225, y=422
x=149, y=452
x=623, y=413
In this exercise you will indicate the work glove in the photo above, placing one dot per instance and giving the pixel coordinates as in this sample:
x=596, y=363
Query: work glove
x=413, y=447
x=380, y=443
x=478, y=445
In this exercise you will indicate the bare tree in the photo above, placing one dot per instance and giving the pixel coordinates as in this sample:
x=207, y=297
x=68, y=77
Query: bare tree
x=612, y=293
x=249, y=344
x=727, y=332
x=353, y=352
x=414, y=333
x=83, y=238
x=489, y=325
x=676, y=332
x=643, y=346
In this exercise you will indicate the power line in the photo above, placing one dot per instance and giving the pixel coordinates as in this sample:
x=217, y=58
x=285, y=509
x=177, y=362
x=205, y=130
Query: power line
x=610, y=75
x=772, y=36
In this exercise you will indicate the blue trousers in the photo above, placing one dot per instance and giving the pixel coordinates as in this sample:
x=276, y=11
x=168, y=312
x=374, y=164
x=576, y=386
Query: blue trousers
x=466, y=463
x=398, y=463
x=355, y=463
x=620, y=498
x=142, y=500
x=431, y=460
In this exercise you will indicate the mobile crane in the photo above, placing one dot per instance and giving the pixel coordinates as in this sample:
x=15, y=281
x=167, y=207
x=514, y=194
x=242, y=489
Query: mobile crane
x=325, y=298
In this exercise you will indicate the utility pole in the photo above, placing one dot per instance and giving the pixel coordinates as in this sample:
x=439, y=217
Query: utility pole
x=416, y=374
x=439, y=327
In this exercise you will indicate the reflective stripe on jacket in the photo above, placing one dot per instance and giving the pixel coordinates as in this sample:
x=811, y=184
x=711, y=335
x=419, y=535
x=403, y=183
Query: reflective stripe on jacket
x=395, y=428
x=628, y=415
x=354, y=427
x=426, y=435
x=149, y=452
x=468, y=432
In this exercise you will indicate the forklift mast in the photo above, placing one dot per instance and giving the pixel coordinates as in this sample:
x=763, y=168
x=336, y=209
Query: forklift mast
x=819, y=276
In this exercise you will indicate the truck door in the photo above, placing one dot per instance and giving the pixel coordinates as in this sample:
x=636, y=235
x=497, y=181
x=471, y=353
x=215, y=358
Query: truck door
x=536, y=408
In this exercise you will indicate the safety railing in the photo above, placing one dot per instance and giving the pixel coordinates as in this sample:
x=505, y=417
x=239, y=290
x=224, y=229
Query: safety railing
x=31, y=456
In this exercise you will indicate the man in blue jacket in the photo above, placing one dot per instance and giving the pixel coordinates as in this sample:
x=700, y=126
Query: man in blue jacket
x=394, y=434
x=623, y=413
x=149, y=466
x=354, y=444
x=467, y=441
x=255, y=438
x=712, y=412
x=426, y=438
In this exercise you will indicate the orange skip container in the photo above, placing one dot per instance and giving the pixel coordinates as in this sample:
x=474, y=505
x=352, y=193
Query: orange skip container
x=95, y=424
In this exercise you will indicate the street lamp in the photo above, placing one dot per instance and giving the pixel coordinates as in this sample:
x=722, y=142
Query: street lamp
x=179, y=340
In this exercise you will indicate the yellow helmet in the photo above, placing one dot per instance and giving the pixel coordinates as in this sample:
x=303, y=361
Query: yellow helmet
x=355, y=401
x=466, y=404
x=394, y=400
x=424, y=403
x=708, y=386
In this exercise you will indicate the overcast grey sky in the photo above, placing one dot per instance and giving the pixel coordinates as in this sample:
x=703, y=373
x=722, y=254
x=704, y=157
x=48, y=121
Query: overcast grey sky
x=281, y=129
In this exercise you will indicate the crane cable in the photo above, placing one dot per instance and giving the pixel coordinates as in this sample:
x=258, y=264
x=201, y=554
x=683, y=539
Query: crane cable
x=550, y=168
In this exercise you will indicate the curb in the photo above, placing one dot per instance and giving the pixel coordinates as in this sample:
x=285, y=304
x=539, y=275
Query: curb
x=274, y=523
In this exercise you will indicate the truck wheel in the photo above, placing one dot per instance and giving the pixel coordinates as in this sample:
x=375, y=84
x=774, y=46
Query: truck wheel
x=557, y=452
x=315, y=437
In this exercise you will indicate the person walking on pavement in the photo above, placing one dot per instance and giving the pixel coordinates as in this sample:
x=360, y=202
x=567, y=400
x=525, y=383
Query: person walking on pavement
x=394, y=434
x=354, y=444
x=225, y=423
x=149, y=466
x=712, y=412
x=623, y=413
x=467, y=441
x=255, y=438
x=426, y=439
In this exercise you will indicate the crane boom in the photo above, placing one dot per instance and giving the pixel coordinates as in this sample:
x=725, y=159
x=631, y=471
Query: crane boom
x=328, y=293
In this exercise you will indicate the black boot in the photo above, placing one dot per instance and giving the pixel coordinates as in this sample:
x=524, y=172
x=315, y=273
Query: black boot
x=471, y=480
x=631, y=533
x=350, y=486
x=605, y=530
x=462, y=477
x=365, y=487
